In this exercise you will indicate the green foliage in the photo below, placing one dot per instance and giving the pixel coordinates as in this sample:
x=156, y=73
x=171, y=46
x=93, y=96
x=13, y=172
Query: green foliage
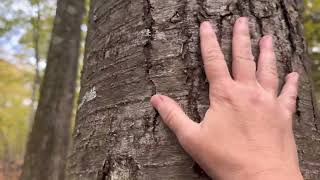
x=13, y=16
x=312, y=36
x=14, y=109
x=10, y=18
x=16, y=79
x=44, y=26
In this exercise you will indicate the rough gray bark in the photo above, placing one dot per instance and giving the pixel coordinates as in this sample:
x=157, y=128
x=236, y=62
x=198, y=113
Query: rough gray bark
x=48, y=142
x=141, y=47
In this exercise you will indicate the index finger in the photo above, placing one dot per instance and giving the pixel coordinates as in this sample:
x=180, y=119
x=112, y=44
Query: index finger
x=213, y=58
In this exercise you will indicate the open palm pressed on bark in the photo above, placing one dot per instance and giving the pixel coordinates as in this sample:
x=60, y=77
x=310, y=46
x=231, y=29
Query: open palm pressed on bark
x=261, y=145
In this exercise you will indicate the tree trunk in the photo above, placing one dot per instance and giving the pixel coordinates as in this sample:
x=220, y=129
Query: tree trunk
x=48, y=141
x=35, y=42
x=138, y=48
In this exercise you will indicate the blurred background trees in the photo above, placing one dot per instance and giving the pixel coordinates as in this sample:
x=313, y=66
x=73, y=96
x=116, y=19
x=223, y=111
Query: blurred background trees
x=311, y=18
x=47, y=147
x=25, y=31
x=20, y=73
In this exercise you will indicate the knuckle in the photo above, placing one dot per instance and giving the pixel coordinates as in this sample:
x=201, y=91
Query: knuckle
x=288, y=111
x=223, y=91
x=213, y=55
x=289, y=103
x=226, y=84
x=170, y=116
x=273, y=76
x=255, y=97
x=272, y=71
x=292, y=99
x=186, y=136
x=242, y=57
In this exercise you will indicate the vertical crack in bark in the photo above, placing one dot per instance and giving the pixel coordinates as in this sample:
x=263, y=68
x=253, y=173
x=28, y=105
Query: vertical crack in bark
x=149, y=22
x=220, y=21
x=105, y=171
x=289, y=25
x=315, y=112
x=193, y=64
x=258, y=19
x=155, y=122
x=202, y=14
x=298, y=112
x=295, y=52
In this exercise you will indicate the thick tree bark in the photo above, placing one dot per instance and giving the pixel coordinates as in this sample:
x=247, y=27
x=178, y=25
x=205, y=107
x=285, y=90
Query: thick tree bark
x=48, y=143
x=138, y=48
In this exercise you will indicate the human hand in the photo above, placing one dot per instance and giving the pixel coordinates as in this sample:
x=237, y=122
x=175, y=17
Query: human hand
x=247, y=130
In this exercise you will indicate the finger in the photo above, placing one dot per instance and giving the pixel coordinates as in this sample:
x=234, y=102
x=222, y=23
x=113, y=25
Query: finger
x=243, y=66
x=213, y=58
x=267, y=69
x=172, y=115
x=288, y=96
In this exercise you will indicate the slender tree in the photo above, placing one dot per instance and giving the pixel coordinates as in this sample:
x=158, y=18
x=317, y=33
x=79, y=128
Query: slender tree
x=48, y=142
x=35, y=21
x=135, y=49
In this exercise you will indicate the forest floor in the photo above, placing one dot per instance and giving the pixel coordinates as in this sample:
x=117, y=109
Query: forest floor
x=10, y=171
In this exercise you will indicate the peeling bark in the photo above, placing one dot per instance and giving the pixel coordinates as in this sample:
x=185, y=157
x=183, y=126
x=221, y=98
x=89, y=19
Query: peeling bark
x=138, y=48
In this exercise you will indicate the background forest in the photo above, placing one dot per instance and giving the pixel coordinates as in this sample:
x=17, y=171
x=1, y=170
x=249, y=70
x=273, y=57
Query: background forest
x=25, y=30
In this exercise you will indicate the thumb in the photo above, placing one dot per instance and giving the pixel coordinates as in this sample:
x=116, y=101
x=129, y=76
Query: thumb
x=172, y=115
x=289, y=92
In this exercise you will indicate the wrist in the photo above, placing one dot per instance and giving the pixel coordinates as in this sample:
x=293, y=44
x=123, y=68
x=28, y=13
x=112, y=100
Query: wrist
x=278, y=174
x=270, y=174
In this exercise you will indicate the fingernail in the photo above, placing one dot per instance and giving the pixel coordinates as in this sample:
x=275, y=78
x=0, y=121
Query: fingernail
x=243, y=20
x=267, y=41
x=295, y=75
x=156, y=100
x=206, y=24
x=268, y=37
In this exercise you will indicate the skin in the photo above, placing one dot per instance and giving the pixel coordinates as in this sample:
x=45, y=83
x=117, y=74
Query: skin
x=247, y=131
